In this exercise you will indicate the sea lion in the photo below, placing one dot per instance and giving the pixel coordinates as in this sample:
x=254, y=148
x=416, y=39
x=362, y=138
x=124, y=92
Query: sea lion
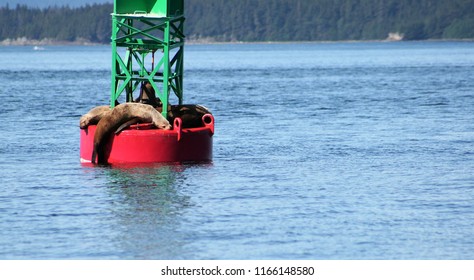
x=148, y=95
x=93, y=116
x=121, y=114
x=190, y=114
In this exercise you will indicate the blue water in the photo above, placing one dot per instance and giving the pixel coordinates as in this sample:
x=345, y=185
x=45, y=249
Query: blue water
x=321, y=151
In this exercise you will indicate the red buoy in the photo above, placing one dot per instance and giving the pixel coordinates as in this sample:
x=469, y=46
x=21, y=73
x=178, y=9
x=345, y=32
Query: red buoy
x=142, y=143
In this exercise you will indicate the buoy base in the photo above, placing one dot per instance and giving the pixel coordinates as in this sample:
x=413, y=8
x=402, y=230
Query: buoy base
x=142, y=143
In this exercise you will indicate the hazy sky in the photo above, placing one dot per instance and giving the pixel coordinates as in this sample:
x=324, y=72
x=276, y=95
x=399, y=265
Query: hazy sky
x=46, y=3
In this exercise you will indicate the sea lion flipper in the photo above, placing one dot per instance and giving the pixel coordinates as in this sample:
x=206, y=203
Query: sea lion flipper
x=127, y=124
x=94, y=155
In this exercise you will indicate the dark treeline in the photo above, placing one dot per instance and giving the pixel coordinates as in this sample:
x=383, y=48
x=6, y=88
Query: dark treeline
x=89, y=23
x=308, y=20
x=261, y=20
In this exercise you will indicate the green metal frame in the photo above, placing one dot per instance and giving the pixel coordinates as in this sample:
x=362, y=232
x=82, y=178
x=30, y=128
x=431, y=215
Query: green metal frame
x=139, y=35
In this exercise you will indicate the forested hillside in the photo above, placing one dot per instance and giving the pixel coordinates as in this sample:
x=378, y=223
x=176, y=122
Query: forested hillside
x=89, y=23
x=308, y=20
x=261, y=20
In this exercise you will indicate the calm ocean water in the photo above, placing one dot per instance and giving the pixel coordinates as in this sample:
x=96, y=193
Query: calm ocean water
x=321, y=151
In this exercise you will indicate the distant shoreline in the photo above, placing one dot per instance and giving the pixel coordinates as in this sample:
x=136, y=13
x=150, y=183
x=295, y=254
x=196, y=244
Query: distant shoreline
x=82, y=42
x=23, y=41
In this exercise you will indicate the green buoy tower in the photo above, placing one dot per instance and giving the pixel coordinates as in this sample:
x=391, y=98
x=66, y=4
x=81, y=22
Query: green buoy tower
x=147, y=46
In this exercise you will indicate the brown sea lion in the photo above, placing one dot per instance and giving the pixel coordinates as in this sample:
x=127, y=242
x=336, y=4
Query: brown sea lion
x=119, y=115
x=93, y=116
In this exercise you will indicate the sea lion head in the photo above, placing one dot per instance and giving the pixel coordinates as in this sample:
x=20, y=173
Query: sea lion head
x=93, y=116
x=162, y=124
x=84, y=121
x=148, y=95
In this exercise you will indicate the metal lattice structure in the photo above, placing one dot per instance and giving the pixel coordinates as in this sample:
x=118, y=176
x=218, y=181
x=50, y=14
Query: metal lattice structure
x=147, y=46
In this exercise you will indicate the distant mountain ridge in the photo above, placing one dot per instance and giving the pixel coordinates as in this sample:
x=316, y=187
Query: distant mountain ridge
x=256, y=20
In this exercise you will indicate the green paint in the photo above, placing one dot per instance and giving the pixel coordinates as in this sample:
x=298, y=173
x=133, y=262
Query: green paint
x=141, y=29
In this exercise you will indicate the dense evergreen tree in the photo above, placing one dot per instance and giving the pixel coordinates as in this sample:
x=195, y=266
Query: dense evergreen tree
x=261, y=20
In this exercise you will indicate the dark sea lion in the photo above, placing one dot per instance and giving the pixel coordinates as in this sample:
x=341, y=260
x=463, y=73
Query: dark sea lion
x=190, y=114
x=94, y=116
x=121, y=114
x=148, y=95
